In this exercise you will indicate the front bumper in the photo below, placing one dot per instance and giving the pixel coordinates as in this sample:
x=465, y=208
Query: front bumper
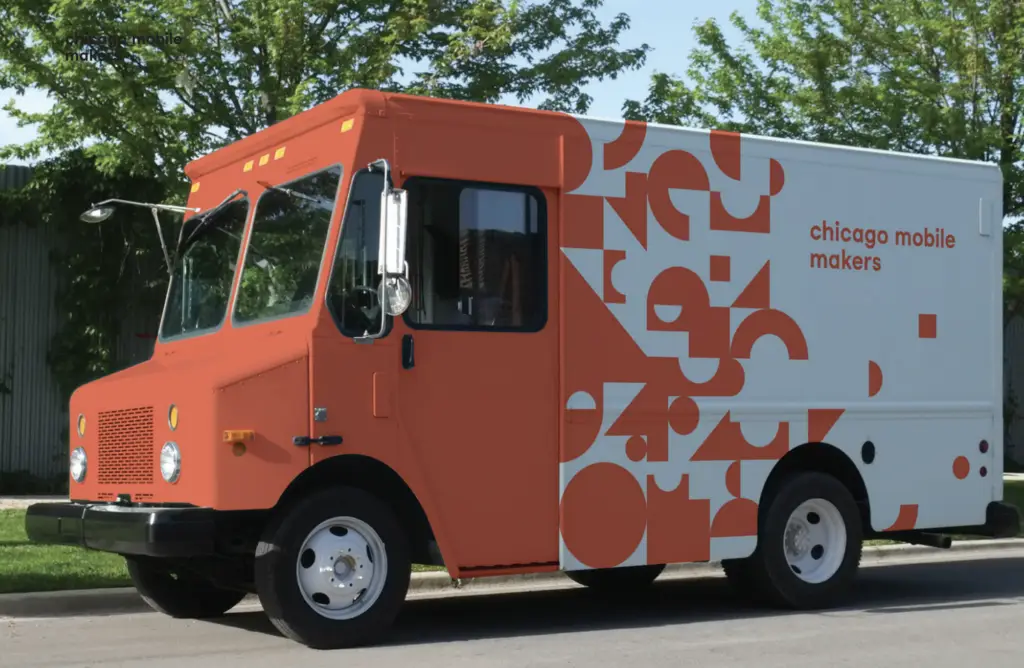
x=136, y=530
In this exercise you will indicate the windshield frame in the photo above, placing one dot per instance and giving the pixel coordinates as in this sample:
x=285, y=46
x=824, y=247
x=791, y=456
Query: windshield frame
x=251, y=227
x=242, y=244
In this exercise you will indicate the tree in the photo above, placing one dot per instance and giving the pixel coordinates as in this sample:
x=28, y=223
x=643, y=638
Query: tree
x=156, y=83
x=938, y=77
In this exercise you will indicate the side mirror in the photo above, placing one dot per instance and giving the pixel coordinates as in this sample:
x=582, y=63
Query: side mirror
x=394, y=207
x=395, y=292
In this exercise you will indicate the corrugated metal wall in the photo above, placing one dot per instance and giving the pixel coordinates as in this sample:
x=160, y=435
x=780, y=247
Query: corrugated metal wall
x=32, y=417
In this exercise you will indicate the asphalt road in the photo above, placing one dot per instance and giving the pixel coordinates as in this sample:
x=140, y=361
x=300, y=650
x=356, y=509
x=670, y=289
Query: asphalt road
x=936, y=614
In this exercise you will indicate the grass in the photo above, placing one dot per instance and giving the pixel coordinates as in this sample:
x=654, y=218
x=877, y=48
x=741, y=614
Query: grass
x=27, y=567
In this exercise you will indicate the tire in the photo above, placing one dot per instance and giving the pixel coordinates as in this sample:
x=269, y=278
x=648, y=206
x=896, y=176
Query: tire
x=297, y=577
x=179, y=593
x=829, y=535
x=617, y=580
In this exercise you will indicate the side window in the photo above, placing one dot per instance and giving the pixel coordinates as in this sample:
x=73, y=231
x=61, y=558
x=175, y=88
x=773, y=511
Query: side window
x=477, y=256
x=286, y=247
x=352, y=292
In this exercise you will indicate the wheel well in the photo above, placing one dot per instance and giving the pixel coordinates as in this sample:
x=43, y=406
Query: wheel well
x=823, y=458
x=380, y=480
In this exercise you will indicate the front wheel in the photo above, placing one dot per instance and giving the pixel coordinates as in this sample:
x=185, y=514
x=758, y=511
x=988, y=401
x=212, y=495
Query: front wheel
x=333, y=570
x=177, y=592
x=809, y=545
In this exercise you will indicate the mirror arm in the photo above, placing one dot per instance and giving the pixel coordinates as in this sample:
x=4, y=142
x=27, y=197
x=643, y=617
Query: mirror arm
x=163, y=244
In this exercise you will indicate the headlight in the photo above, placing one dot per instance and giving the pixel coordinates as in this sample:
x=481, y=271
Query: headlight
x=79, y=464
x=170, y=461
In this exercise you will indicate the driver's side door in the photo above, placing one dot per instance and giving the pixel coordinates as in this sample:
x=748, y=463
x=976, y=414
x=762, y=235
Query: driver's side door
x=353, y=383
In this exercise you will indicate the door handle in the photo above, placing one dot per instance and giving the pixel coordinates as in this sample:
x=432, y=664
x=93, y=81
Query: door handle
x=408, y=352
x=303, y=441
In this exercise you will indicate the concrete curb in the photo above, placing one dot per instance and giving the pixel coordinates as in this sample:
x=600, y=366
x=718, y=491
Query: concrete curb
x=126, y=600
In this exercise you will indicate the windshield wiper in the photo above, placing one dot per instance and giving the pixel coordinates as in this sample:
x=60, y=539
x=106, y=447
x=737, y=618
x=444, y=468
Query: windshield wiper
x=204, y=220
x=289, y=192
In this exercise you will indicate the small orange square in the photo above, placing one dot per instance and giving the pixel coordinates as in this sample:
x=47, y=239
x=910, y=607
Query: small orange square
x=720, y=268
x=927, y=326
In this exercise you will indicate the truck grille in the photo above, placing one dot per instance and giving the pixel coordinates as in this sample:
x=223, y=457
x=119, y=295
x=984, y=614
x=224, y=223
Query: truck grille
x=126, y=452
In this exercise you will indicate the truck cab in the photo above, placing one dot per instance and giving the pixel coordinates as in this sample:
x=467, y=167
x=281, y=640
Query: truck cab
x=307, y=359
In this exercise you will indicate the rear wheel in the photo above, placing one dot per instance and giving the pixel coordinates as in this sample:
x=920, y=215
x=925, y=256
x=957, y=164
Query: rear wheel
x=617, y=580
x=177, y=592
x=809, y=545
x=333, y=570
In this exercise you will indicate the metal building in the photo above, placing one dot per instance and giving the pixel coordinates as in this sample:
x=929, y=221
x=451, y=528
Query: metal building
x=32, y=419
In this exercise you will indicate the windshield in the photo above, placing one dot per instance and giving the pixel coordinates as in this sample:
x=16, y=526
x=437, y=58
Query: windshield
x=197, y=298
x=286, y=247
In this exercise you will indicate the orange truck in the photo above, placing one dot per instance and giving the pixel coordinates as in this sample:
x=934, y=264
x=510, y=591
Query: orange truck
x=404, y=330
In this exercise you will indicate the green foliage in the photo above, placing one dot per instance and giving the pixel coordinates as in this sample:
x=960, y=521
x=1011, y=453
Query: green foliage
x=105, y=270
x=200, y=77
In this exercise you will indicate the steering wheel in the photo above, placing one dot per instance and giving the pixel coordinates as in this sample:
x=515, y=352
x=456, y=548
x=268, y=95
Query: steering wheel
x=370, y=312
x=368, y=290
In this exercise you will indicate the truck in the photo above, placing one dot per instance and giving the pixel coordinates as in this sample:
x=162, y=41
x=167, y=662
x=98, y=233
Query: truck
x=401, y=330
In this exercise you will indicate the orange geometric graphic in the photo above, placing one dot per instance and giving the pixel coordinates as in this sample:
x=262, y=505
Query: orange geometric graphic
x=726, y=152
x=674, y=170
x=732, y=479
x=777, y=178
x=727, y=443
x=759, y=222
x=820, y=422
x=678, y=527
x=769, y=322
x=906, y=520
x=636, y=448
x=736, y=518
x=720, y=268
x=632, y=208
x=874, y=378
x=604, y=514
x=624, y=148
x=611, y=258
x=757, y=294
x=961, y=467
x=927, y=326
x=583, y=225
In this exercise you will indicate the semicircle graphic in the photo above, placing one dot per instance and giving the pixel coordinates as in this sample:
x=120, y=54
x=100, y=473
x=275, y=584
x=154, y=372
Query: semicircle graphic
x=874, y=378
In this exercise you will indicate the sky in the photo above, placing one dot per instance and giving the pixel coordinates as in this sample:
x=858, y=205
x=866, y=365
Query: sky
x=666, y=25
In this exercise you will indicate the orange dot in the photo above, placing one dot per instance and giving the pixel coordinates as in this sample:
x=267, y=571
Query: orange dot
x=604, y=515
x=732, y=479
x=683, y=415
x=636, y=448
x=961, y=467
